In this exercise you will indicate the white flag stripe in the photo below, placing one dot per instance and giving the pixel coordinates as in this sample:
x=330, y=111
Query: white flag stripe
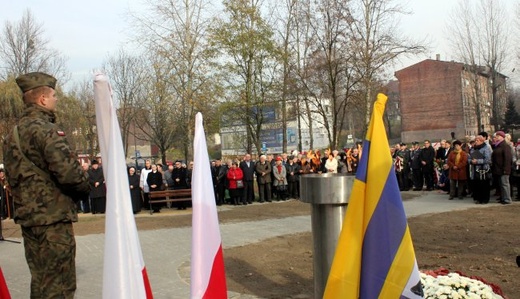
x=123, y=261
x=206, y=239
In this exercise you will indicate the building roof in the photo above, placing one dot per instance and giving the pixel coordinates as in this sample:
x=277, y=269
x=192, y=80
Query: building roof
x=430, y=61
x=482, y=70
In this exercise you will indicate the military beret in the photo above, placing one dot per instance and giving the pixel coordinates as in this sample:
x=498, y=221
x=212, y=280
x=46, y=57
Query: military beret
x=33, y=80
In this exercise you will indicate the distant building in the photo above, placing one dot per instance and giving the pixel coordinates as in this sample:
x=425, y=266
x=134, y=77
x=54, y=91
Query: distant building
x=233, y=132
x=442, y=100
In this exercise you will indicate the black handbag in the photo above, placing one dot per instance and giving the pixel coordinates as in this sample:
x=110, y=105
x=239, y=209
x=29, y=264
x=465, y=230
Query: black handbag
x=240, y=184
x=281, y=188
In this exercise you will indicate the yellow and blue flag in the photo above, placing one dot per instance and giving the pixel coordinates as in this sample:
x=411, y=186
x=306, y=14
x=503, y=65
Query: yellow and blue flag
x=375, y=257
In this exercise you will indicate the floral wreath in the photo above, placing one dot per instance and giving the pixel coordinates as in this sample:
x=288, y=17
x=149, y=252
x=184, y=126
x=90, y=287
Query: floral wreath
x=442, y=283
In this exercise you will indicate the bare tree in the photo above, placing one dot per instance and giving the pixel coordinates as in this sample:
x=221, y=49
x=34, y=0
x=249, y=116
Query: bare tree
x=176, y=30
x=156, y=116
x=376, y=42
x=78, y=116
x=479, y=34
x=304, y=37
x=464, y=38
x=286, y=11
x=127, y=78
x=23, y=49
x=326, y=71
x=495, y=48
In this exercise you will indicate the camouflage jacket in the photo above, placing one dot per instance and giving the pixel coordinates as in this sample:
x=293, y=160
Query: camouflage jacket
x=40, y=200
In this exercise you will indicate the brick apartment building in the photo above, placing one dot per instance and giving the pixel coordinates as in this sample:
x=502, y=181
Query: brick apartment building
x=442, y=99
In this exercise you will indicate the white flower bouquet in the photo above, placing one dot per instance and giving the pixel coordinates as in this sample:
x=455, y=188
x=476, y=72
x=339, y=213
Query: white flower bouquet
x=445, y=285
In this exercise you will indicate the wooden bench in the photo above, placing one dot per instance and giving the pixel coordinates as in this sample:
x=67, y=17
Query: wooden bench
x=178, y=195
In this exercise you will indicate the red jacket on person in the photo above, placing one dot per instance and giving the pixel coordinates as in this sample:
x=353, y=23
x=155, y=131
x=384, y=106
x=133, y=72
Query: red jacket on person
x=234, y=174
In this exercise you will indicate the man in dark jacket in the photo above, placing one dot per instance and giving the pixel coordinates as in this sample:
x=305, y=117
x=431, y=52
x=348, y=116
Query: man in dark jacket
x=427, y=156
x=402, y=176
x=416, y=167
x=46, y=181
x=248, y=169
x=263, y=175
x=215, y=170
x=293, y=170
x=222, y=182
x=501, y=162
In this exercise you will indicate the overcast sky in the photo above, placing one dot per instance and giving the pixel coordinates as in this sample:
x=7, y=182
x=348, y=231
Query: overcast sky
x=86, y=32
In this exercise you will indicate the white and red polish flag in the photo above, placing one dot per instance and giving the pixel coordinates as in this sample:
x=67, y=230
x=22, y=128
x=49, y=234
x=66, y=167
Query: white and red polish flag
x=208, y=277
x=124, y=272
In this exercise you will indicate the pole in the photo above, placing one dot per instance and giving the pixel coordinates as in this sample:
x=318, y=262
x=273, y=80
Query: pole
x=135, y=148
x=328, y=195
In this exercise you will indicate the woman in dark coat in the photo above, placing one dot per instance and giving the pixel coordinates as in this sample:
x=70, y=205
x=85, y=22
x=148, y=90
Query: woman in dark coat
x=154, y=179
x=97, y=188
x=155, y=182
x=135, y=191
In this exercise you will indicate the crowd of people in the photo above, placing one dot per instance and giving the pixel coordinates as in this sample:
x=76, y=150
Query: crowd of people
x=277, y=177
x=472, y=167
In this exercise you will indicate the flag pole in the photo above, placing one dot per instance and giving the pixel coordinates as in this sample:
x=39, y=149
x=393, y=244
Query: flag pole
x=328, y=195
x=208, y=277
x=124, y=271
x=375, y=257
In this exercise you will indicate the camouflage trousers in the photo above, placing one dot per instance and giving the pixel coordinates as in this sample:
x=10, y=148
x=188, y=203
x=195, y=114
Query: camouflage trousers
x=50, y=252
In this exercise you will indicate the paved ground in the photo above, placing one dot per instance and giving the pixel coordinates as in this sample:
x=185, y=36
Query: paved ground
x=167, y=251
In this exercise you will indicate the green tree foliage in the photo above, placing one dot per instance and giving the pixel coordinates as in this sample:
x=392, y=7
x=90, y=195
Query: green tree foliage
x=11, y=107
x=176, y=31
x=250, y=60
x=511, y=117
x=78, y=118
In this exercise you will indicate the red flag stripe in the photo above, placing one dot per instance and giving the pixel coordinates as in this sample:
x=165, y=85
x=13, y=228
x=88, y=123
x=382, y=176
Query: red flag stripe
x=147, y=286
x=4, y=291
x=217, y=282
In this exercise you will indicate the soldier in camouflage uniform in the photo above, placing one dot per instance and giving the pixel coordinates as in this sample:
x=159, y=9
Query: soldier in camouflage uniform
x=46, y=179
